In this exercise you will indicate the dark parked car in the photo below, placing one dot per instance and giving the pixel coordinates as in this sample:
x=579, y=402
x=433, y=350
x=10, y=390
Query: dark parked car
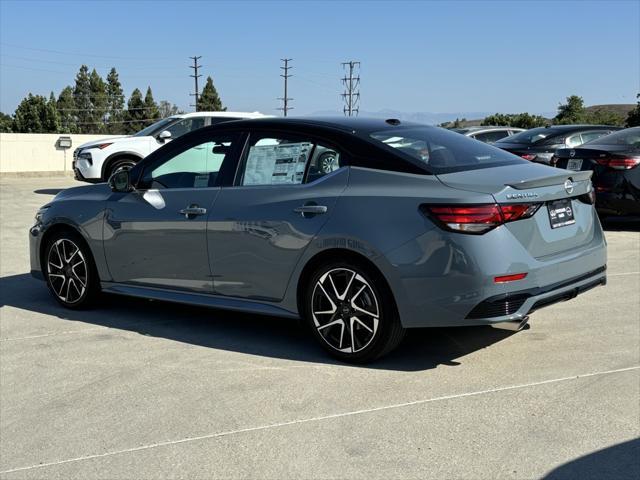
x=614, y=160
x=539, y=144
x=362, y=228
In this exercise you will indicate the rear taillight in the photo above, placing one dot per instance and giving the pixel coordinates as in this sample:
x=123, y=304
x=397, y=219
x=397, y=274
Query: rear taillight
x=619, y=163
x=478, y=219
x=588, y=198
x=528, y=156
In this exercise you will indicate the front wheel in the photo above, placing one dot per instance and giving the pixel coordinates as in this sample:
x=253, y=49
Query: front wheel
x=70, y=272
x=351, y=312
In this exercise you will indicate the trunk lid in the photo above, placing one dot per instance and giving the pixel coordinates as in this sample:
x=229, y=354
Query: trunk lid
x=539, y=184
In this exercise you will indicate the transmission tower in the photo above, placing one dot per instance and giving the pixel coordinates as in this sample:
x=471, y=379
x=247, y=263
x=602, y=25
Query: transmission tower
x=285, y=100
x=351, y=95
x=195, y=76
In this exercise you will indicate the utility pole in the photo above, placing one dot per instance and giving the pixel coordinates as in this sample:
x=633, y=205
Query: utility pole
x=351, y=95
x=285, y=100
x=195, y=76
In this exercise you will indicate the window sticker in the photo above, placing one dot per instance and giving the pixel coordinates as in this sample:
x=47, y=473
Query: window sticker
x=201, y=180
x=282, y=164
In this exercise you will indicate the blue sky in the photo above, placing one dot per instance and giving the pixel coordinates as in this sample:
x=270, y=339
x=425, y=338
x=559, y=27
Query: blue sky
x=417, y=56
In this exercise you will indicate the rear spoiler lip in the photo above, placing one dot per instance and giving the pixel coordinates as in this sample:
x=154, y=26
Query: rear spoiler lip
x=548, y=181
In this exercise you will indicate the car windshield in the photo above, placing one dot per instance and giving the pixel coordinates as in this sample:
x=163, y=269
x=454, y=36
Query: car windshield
x=534, y=135
x=443, y=151
x=630, y=136
x=154, y=127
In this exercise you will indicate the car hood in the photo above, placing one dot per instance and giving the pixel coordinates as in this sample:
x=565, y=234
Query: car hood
x=100, y=141
x=98, y=191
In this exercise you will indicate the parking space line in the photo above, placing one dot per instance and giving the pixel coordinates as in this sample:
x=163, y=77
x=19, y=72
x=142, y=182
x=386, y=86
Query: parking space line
x=320, y=418
x=620, y=274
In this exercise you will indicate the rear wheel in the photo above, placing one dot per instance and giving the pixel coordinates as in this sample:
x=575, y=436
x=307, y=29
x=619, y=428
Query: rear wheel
x=351, y=312
x=120, y=164
x=70, y=272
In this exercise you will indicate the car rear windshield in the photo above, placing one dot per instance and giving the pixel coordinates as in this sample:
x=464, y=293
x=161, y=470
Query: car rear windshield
x=630, y=136
x=442, y=151
x=532, y=136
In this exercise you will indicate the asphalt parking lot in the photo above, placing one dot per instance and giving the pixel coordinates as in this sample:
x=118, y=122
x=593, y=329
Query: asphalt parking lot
x=140, y=389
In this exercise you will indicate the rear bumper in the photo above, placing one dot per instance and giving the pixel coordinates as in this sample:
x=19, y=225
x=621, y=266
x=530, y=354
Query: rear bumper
x=514, y=306
x=445, y=279
x=610, y=203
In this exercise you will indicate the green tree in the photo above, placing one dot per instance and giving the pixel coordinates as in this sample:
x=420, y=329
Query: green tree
x=115, y=104
x=167, y=109
x=36, y=115
x=82, y=100
x=6, y=123
x=28, y=116
x=50, y=116
x=135, y=114
x=98, y=102
x=571, y=112
x=498, y=119
x=209, y=100
x=66, y=107
x=633, y=119
x=526, y=120
x=151, y=108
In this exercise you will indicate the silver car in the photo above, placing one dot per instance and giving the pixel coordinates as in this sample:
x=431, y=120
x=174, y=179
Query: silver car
x=361, y=228
x=488, y=134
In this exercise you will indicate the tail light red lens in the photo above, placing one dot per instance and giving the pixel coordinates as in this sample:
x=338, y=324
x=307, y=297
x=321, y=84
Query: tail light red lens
x=528, y=156
x=509, y=278
x=478, y=219
x=620, y=163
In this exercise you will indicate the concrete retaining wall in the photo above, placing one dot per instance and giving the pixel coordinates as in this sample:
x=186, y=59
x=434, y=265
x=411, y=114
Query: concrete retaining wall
x=33, y=154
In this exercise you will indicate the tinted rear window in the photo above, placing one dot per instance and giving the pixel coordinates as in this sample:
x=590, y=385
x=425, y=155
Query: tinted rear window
x=630, y=136
x=442, y=151
x=534, y=135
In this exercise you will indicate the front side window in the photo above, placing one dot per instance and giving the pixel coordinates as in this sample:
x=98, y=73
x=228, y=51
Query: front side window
x=274, y=160
x=194, y=167
x=185, y=126
x=442, y=151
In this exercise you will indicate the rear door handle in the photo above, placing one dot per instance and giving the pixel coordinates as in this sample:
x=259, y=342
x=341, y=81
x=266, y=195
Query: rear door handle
x=310, y=210
x=193, y=211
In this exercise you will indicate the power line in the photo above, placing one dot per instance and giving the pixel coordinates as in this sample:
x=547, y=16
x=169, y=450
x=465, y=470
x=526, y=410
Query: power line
x=285, y=100
x=351, y=95
x=60, y=52
x=195, y=76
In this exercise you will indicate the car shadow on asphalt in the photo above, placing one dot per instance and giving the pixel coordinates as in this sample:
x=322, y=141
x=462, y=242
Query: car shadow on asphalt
x=49, y=191
x=274, y=337
x=616, y=462
x=621, y=224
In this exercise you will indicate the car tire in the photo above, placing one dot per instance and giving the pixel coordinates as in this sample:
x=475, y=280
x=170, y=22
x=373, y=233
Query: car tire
x=351, y=312
x=119, y=164
x=70, y=271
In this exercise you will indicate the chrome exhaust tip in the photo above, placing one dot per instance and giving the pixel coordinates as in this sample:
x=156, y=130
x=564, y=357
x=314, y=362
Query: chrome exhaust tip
x=514, y=325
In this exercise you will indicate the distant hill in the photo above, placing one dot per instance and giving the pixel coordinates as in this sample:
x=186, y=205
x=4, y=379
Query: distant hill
x=620, y=109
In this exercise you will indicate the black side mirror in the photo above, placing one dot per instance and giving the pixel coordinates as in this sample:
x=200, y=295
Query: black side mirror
x=120, y=181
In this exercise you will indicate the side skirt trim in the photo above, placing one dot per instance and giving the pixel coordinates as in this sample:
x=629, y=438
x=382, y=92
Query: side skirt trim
x=198, y=299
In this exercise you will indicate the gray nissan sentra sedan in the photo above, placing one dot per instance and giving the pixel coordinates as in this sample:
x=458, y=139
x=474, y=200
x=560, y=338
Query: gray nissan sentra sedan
x=362, y=228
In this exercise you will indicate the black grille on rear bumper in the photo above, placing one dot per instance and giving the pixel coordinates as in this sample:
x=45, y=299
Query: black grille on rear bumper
x=498, y=307
x=509, y=303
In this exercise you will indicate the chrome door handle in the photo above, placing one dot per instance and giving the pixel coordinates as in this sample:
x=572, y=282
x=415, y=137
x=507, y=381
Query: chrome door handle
x=310, y=210
x=193, y=211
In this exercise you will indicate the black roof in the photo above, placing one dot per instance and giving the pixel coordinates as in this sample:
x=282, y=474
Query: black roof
x=360, y=125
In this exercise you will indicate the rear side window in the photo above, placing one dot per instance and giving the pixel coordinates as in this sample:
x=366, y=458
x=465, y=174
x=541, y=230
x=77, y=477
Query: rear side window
x=442, y=151
x=491, y=137
x=276, y=160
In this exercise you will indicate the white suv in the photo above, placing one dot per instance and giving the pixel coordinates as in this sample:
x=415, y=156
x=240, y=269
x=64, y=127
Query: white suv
x=96, y=161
